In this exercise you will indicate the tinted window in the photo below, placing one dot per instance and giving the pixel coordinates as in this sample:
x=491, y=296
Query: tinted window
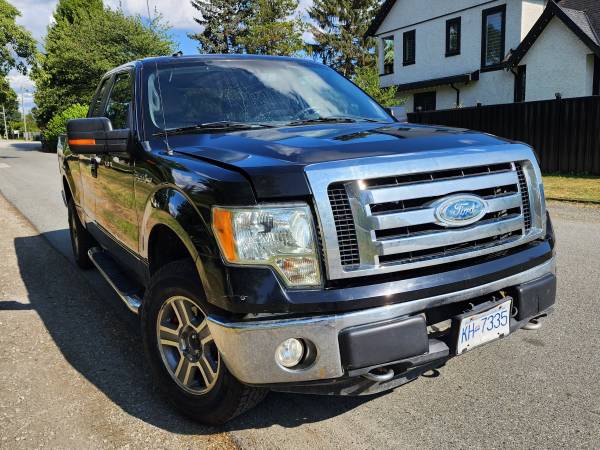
x=409, y=49
x=251, y=91
x=117, y=106
x=493, y=36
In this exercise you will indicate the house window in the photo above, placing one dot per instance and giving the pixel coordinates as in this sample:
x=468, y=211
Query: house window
x=424, y=101
x=520, y=84
x=388, y=55
x=408, y=56
x=493, y=37
x=453, y=37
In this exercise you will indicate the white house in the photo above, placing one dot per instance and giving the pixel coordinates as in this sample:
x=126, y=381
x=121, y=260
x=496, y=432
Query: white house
x=452, y=53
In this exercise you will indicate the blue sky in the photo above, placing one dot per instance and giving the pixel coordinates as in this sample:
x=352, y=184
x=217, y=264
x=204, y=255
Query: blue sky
x=37, y=14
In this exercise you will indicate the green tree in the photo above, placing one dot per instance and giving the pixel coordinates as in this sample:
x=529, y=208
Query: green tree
x=367, y=78
x=17, y=47
x=69, y=10
x=271, y=29
x=8, y=100
x=224, y=24
x=340, y=26
x=58, y=124
x=79, y=53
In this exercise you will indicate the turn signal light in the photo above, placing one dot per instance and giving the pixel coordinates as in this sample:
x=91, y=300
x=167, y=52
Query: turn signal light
x=82, y=142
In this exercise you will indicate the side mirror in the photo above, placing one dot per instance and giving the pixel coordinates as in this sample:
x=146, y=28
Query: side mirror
x=95, y=135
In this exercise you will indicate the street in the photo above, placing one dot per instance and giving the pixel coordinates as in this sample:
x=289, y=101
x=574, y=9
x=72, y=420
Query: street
x=72, y=372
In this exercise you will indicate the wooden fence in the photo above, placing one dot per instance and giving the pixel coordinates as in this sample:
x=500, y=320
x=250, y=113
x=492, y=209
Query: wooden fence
x=565, y=133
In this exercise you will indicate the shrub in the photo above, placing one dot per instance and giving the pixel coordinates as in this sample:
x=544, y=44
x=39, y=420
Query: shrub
x=58, y=124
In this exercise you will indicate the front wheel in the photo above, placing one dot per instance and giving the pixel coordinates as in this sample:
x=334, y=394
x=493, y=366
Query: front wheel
x=183, y=356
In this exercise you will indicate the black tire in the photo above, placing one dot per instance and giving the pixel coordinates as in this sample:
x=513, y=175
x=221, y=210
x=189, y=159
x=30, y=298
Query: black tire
x=81, y=240
x=228, y=397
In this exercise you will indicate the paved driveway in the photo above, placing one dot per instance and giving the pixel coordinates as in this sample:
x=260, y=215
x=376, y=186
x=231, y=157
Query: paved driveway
x=71, y=374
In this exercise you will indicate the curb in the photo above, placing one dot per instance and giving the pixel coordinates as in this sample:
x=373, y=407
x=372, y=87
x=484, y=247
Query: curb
x=574, y=200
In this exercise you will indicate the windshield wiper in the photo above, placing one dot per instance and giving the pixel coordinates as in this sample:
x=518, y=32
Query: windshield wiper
x=332, y=119
x=222, y=125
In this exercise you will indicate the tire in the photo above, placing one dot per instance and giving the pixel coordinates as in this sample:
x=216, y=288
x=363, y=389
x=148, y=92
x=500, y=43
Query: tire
x=211, y=396
x=81, y=240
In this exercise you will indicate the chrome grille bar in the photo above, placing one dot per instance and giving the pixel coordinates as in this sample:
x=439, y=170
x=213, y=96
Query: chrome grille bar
x=446, y=238
x=427, y=215
x=436, y=188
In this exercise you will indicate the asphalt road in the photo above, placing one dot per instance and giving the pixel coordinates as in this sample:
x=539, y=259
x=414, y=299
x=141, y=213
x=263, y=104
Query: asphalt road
x=71, y=373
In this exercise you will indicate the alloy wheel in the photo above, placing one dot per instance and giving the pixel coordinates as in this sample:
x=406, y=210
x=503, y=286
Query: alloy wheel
x=186, y=346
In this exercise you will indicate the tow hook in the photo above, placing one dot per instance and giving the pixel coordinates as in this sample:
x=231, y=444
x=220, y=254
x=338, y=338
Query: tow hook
x=534, y=324
x=379, y=375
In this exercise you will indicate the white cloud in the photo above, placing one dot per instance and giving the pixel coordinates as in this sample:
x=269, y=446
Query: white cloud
x=178, y=13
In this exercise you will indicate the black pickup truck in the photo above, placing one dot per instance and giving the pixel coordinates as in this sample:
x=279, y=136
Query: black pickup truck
x=276, y=229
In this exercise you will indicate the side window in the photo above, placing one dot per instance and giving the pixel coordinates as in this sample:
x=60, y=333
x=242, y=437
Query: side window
x=117, y=106
x=96, y=105
x=493, y=37
x=388, y=55
x=409, y=47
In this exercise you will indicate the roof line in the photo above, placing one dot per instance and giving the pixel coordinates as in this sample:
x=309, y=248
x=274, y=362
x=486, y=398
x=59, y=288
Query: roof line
x=551, y=11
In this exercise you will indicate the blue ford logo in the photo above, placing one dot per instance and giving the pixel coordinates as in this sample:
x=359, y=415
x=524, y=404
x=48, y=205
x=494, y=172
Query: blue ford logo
x=459, y=210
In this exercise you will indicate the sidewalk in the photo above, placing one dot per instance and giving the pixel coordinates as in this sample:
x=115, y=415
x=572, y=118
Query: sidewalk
x=72, y=374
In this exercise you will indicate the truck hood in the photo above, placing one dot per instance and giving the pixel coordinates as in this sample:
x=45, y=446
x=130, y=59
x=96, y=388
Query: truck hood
x=274, y=158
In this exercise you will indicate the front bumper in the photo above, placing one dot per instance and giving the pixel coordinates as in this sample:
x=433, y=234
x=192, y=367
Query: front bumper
x=248, y=347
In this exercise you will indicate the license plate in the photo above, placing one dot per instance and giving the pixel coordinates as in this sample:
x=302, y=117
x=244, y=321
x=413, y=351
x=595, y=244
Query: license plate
x=483, y=327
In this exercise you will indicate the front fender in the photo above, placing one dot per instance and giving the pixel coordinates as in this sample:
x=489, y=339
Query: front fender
x=170, y=207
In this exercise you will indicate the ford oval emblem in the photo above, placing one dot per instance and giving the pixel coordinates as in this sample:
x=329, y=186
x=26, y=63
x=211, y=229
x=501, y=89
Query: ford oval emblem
x=459, y=210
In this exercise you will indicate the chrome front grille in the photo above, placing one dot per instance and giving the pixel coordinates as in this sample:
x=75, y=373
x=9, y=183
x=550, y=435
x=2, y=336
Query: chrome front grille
x=379, y=216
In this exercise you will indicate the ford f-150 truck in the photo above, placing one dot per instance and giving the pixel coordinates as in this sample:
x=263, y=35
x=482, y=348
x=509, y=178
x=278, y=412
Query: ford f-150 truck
x=276, y=229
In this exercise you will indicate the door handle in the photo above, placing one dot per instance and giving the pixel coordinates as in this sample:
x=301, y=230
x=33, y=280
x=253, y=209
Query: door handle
x=94, y=162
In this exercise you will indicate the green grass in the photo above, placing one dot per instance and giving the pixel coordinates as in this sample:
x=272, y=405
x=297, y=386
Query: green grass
x=572, y=187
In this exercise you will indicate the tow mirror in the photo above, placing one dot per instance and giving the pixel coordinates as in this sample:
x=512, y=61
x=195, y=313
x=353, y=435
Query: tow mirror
x=95, y=135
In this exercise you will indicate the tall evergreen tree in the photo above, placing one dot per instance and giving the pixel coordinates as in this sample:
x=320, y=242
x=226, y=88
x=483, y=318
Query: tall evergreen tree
x=84, y=43
x=68, y=10
x=224, y=24
x=339, y=29
x=17, y=47
x=272, y=29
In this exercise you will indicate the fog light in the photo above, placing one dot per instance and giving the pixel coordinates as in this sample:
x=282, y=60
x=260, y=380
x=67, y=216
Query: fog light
x=290, y=352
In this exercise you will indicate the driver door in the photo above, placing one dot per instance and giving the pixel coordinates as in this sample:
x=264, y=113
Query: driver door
x=115, y=212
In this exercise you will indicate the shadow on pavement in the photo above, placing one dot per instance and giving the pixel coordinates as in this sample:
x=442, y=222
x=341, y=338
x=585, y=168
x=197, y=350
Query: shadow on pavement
x=26, y=146
x=101, y=340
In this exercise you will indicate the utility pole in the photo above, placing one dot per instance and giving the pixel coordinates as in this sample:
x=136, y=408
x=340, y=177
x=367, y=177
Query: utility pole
x=5, y=127
x=24, y=116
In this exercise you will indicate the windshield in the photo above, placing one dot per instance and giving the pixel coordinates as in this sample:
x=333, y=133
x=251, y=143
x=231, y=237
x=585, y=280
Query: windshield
x=261, y=91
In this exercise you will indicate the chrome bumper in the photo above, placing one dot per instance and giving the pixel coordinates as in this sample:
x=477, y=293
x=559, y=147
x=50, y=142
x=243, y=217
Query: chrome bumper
x=248, y=348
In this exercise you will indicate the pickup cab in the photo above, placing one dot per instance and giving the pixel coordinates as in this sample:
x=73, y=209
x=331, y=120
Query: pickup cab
x=276, y=229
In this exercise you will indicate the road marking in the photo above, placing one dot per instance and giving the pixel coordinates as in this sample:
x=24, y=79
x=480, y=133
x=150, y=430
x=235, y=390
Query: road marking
x=4, y=166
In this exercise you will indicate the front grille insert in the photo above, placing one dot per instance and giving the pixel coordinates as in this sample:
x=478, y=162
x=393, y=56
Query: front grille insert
x=344, y=224
x=390, y=220
x=524, y=196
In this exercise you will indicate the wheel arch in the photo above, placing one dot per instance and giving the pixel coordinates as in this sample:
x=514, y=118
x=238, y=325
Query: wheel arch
x=173, y=228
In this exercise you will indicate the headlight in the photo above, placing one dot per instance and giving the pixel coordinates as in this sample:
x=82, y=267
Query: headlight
x=282, y=237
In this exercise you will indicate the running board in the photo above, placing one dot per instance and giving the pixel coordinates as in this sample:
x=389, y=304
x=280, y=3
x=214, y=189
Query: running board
x=129, y=291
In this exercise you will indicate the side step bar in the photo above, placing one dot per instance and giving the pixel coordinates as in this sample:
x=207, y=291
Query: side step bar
x=129, y=291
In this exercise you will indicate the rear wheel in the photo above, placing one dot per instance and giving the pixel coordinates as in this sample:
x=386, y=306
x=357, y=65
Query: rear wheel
x=183, y=356
x=81, y=240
